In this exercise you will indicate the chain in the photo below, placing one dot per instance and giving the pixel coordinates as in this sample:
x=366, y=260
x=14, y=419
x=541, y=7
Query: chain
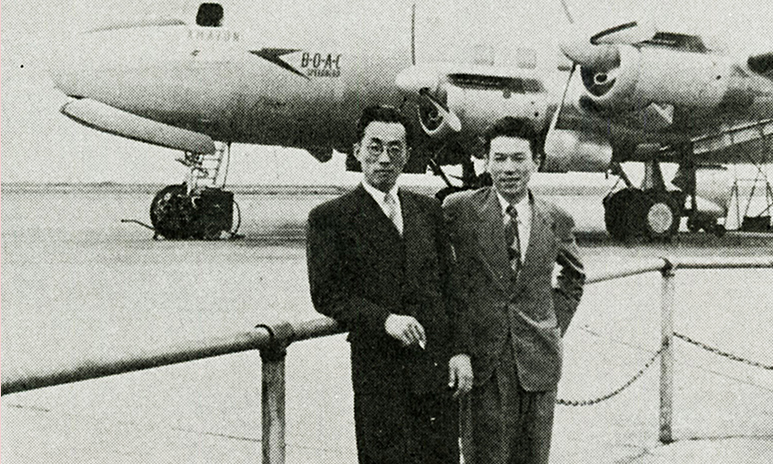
x=719, y=352
x=636, y=377
x=648, y=364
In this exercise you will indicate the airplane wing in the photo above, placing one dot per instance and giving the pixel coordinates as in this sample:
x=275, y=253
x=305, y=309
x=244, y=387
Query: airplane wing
x=737, y=143
x=667, y=89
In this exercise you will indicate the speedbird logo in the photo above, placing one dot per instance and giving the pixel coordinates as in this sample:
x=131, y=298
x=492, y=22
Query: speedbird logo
x=308, y=64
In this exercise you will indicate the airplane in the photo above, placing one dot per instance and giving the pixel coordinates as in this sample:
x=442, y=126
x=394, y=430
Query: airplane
x=299, y=74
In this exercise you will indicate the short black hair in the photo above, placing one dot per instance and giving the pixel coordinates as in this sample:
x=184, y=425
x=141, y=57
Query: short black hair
x=382, y=113
x=510, y=126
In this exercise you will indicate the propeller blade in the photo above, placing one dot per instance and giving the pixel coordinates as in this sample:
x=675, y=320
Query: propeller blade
x=550, y=137
x=600, y=51
x=449, y=121
x=567, y=12
x=413, y=34
x=627, y=33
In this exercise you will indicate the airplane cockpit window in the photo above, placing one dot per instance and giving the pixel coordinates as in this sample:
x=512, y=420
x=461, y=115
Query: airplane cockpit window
x=210, y=15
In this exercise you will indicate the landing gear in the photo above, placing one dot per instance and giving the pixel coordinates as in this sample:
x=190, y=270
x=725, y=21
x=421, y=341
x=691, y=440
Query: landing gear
x=650, y=211
x=706, y=222
x=178, y=215
x=663, y=214
x=199, y=208
x=470, y=180
x=172, y=212
x=632, y=212
x=697, y=220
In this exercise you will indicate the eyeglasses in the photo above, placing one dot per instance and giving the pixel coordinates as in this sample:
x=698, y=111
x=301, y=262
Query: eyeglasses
x=375, y=149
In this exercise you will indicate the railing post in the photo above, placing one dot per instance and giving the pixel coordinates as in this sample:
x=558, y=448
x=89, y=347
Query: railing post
x=667, y=357
x=273, y=403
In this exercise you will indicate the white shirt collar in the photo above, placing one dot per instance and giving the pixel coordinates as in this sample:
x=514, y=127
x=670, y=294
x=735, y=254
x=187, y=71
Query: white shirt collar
x=523, y=207
x=378, y=195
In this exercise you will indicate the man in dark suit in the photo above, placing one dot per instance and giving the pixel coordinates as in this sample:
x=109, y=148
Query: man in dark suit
x=381, y=265
x=507, y=243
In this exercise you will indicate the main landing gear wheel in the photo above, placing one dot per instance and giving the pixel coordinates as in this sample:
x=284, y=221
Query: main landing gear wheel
x=663, y=215
x=632, y=212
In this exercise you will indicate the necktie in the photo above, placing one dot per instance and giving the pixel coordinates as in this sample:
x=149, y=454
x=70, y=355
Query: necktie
x=392, y=213
x=512, y=239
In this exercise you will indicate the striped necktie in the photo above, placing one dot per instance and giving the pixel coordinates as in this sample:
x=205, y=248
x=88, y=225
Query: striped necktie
x=512, y=239
x=392, y=213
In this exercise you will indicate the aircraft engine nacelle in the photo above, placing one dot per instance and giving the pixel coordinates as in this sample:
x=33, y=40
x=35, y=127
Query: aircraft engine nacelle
x=467, y=100
x=623, y=78
x=574, y=151
x=480, y=99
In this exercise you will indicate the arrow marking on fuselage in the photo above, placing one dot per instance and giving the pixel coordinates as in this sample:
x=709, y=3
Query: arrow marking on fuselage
x=273, y=55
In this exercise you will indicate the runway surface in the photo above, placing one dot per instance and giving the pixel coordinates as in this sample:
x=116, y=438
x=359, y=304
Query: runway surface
x=75, y=281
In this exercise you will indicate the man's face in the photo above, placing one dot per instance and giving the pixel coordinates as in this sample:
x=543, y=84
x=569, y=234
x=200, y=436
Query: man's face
x=382, y=153
x=510, y=163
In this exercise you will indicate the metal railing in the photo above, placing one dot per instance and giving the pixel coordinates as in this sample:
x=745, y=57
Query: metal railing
x=272, y=341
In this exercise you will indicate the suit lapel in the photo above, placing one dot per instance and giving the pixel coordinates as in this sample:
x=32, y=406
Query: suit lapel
x=373, y=230
x=491, y=238
x=540, y=238
x=371, y=220
x=413, y=227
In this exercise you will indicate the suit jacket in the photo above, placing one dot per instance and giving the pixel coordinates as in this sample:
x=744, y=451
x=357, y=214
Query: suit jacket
x=361, y=271
x=526, y=308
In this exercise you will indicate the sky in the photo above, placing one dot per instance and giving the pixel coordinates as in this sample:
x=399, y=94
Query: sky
x=39, y=144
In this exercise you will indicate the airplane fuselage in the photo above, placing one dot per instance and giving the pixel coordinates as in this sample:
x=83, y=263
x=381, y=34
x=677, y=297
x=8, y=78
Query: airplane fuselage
x=298, y=74
x=301, y=78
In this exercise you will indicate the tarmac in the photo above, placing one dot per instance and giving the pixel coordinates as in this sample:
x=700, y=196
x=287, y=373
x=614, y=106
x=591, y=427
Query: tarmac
x=77, y=282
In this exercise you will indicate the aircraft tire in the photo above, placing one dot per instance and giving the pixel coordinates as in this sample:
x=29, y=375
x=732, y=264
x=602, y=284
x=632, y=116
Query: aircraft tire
x=662, y=215
x=172, y=212
x=625, y=213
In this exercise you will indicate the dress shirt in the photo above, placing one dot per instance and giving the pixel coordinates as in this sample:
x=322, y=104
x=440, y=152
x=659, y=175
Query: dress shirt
x=380, y=196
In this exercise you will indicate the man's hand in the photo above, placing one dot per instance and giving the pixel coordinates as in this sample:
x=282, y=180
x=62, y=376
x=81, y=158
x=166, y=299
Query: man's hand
x=406, y=329
x=460, y=374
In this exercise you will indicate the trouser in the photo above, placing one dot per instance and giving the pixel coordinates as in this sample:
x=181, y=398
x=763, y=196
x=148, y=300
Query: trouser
x=405, y=428
x=509, y=424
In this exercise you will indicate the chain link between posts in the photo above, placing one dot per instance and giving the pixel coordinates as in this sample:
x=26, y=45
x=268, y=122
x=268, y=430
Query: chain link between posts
x=719, y=352
x=637, y=376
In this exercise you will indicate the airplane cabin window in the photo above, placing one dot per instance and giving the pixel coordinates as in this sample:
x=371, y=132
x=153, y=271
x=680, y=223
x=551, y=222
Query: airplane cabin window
x=210, y=15
x=507, y=84
x=683, y=42
x=532, y=86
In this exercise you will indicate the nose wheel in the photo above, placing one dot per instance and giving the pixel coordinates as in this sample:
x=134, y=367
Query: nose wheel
x=199, y=208
x=172, y=212
x=178, y=215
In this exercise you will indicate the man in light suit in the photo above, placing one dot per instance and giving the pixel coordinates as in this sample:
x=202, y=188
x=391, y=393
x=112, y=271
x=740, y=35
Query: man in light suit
x=380, y=264
x=507, y=244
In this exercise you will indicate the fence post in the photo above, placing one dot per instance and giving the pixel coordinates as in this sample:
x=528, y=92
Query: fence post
x=273, y=403
x=667, y=357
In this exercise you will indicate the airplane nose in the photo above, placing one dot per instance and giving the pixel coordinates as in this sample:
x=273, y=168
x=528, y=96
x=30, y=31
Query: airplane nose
x=65, y=61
